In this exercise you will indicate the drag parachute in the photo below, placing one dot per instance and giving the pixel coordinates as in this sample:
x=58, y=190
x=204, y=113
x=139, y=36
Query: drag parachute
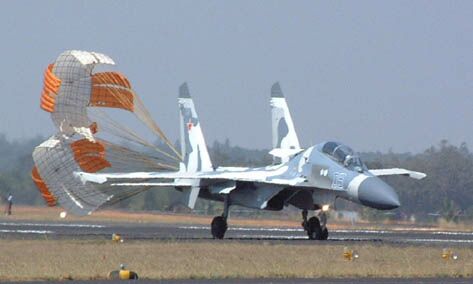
x=89, y=139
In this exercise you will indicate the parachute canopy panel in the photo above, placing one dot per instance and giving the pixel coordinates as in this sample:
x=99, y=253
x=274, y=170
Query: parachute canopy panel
x=90, y=140
x=51, y=86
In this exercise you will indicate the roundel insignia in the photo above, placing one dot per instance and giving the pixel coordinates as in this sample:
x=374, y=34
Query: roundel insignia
x=189, y=125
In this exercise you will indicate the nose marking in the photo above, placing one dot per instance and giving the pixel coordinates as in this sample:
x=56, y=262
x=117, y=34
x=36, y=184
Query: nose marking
x=354, y=185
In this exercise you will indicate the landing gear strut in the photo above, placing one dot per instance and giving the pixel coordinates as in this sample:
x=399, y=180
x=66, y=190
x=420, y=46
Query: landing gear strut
x=304, y=219
x=219, y=225
x=315, y=226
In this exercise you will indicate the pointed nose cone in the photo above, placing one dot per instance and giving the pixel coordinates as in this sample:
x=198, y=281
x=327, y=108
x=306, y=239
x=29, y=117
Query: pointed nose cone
x=375, y=193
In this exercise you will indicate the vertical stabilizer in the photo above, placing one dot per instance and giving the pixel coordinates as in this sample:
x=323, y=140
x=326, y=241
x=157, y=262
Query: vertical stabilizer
x=284, y=134
x=193, y=148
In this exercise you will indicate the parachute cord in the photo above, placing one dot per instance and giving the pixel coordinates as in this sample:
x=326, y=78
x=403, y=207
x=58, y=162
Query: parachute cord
x=143, y=114
x=127, y=134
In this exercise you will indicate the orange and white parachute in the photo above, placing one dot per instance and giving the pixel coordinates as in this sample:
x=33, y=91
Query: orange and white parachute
x=89, y=139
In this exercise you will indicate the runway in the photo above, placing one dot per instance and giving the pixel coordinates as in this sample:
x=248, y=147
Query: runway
x=153, y=231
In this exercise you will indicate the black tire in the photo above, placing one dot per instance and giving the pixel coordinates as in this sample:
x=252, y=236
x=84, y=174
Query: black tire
x=133, y=275
x=218, y=227
x=324, y=235
x=314, y=231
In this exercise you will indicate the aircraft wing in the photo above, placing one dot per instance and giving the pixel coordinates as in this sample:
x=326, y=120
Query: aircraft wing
x=133, y=178
x=254, y=176
x=275, y=177
x=398, y=171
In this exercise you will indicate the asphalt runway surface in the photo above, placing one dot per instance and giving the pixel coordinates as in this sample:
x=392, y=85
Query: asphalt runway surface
x=180, y=232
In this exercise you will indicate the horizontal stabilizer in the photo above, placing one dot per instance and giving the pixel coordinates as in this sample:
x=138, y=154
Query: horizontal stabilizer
x=398, y=171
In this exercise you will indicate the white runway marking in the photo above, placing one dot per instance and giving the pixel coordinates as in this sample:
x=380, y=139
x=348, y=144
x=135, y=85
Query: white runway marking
x=27, y=231
x=52, y=225
x=271, y=237
x=369, y=232
x=278, y=237
x=266, y=229
x=453, y=233
x=439, y=241
x=354, y=231
x=245, y=229
x=404, y=231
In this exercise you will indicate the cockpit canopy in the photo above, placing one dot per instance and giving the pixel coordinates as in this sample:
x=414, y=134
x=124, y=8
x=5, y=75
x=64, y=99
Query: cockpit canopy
x=343, y=155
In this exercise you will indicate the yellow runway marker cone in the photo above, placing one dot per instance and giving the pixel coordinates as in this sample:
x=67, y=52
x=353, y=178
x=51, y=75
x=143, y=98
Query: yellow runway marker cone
x=123, y=274
x=349, y=254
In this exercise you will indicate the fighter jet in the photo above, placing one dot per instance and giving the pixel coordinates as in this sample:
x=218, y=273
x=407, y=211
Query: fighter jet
x=310, y=179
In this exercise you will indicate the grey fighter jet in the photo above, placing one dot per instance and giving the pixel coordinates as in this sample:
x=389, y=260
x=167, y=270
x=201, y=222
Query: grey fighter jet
x=310, y=179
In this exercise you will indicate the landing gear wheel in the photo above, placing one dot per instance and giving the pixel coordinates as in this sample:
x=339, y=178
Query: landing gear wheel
x=218, y=227
x=314, y=231
x=324, y=235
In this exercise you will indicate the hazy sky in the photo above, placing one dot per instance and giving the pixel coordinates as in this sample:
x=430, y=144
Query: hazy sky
x=373, y=74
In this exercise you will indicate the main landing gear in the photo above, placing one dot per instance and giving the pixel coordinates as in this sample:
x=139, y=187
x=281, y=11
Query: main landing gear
x=219, y=225
x=316, y=226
